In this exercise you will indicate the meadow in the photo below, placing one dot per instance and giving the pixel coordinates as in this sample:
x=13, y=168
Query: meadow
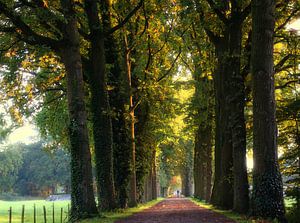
x=107, y=217
x=29, y=210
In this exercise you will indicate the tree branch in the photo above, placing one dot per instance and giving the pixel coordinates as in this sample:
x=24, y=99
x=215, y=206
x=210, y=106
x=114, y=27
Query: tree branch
x=127, y=18
x=289, y=18
x=30, y=35
x=279, y=65
x=287, y=84
x=172, y=66
x=218, y=12
x=211, y=35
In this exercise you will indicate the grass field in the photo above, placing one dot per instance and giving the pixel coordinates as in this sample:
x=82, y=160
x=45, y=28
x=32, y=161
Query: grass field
x=29, y=207
x=108, y=217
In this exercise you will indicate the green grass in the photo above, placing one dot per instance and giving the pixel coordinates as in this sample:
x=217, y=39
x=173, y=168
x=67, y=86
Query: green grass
x=17, y=210
x=236, y=217
x=110, y=217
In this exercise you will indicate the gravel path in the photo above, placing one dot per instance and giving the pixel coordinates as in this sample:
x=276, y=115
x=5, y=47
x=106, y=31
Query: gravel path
x=176, y=210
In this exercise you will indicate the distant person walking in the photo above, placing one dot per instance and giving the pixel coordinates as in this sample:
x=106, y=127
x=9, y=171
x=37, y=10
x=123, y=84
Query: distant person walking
x=177, y=193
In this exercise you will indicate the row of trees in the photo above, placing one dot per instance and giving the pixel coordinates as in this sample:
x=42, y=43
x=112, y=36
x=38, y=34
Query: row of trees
x=97, y=77
x=81, y=69
x=238, y=92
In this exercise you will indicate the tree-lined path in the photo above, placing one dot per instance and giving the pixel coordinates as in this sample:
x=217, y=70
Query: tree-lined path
x=176, y=210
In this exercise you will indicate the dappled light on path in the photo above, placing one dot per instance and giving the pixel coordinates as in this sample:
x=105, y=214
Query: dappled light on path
x=176, y=210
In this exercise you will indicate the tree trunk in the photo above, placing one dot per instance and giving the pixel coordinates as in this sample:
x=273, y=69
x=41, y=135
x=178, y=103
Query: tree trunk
x=209, y=169
x=132, y=184
x=102, y=126
x=153, y=173
x=117, y=97
x=198, y=166
x=222, y=193
x=267, y=195
x=237, y=117
x=83, y=203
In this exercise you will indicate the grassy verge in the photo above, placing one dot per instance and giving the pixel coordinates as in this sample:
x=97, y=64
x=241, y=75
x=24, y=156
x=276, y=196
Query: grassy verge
x=234, y=216
x=29, y=207
x=237, y=217
x=110, y=217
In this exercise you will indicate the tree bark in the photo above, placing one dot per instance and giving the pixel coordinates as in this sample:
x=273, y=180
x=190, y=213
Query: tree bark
x=117, y=96
x=102, y=126
x=132, y=184
x=198, y=166
x=83, y=203
x=237, y=117
x=267, y=195
x=222, y=192
x=202, y=161
x=154, y=177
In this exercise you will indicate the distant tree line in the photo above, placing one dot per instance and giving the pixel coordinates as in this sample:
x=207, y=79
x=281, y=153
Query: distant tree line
x=29, y=170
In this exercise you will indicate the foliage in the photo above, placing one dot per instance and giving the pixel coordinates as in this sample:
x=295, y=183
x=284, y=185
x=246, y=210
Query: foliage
x=11, y=162
x=30, y=170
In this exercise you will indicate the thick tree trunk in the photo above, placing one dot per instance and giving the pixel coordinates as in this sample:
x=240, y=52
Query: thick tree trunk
x=202, y=161
x=237, y=117
x=203, y=138
x=102, y=126
x=117, y=97
x=222, y=193
x=83, y=203
x=186, y=178
x=267, y=195
x=144, y=150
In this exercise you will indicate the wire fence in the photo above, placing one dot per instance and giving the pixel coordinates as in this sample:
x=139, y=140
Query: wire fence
x=52, y=217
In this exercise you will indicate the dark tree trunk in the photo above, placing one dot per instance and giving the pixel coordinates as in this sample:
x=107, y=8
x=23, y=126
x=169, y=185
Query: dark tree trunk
x=153, y=173
x=187, y=181
x=121, y=137
x=83, y=203
x=222, y=192
x=198, y=166
x=202, y=161
x=267, y=195
x=144, y=150
x=237, y=117
x=102, y=126
x=209, y=168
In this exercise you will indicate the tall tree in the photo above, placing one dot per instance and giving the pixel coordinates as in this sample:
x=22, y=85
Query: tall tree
x=267, y=195
x=102, y=125
x=230, y=188
x=66, y=44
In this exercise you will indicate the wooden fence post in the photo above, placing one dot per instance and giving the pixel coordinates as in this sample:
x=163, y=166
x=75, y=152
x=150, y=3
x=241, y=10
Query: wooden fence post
x=10, y=214
x=34, y=214
x=45, y=215
x=23, y=213
x=53, y=213
x=68, y=212
x=61, y=215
